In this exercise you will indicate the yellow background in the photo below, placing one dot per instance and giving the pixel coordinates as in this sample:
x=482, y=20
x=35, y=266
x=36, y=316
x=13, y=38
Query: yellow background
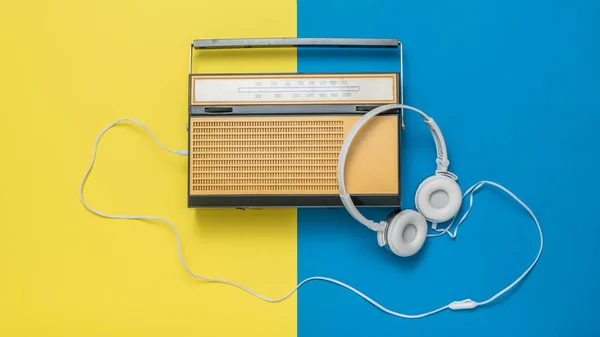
x=68, y=69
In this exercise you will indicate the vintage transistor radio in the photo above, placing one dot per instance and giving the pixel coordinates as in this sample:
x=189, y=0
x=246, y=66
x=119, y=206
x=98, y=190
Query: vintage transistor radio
x=273, y=140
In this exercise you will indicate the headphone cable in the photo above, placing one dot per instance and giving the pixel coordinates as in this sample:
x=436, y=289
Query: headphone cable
x=456, y=305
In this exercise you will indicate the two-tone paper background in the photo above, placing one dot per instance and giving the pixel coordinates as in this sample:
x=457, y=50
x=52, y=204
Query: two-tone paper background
x=512, y=84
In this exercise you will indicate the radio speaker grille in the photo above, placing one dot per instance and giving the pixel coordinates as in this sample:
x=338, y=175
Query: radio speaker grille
x=267, y=155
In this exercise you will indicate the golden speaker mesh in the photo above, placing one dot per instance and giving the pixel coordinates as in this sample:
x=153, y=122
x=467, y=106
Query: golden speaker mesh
x=291, y=155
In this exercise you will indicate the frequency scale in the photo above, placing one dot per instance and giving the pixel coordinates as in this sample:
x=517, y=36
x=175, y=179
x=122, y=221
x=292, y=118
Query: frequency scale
x=272, y=140
x=294, y=89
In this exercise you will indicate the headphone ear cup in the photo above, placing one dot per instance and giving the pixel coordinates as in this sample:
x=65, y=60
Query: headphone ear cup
x=406, y=233
x=438, y=198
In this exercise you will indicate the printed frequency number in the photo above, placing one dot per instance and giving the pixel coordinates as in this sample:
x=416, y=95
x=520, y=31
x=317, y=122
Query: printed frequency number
x=300, y=88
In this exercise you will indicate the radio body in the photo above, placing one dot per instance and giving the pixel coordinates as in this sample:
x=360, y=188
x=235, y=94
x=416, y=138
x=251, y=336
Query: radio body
x=273, y=140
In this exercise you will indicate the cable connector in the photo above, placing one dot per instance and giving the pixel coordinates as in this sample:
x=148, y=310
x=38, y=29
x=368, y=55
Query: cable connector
x=182, y=152
x=463, y=305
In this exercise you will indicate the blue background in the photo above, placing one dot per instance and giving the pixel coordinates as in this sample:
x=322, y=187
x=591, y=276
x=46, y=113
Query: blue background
x=514, y=87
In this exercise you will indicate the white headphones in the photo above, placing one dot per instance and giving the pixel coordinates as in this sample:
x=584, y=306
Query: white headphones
x=438, y=198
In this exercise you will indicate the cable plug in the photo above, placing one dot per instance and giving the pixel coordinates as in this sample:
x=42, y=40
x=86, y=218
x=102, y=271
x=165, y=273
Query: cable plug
x=182, y=152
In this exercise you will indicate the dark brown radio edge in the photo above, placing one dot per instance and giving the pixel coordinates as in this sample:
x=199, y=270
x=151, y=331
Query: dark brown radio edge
x=291, y=201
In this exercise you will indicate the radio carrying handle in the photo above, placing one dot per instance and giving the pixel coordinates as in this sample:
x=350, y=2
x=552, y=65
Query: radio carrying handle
x=287, y=42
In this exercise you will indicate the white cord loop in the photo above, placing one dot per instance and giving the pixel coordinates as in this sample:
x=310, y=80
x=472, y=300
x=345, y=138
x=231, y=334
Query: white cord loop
x=456, y=305
x=453, y=235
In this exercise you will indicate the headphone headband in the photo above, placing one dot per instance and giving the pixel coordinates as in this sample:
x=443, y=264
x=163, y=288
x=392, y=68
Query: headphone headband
x=441, y=161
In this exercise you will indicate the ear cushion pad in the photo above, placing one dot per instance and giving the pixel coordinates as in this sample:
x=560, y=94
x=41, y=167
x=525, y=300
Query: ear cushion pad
x=399, y=238
x=449, y=198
